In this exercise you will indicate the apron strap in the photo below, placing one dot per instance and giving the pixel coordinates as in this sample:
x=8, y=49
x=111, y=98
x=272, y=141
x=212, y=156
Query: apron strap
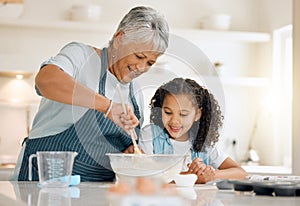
x=104, y=68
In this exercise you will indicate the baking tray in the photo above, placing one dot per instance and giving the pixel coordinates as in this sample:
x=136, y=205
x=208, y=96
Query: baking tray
x=269, y=188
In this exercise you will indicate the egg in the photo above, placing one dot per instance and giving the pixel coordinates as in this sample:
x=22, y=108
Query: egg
x=145, y=186
x=120, y=188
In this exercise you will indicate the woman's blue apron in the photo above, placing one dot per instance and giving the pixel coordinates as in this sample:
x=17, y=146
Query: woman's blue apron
x=92, y=136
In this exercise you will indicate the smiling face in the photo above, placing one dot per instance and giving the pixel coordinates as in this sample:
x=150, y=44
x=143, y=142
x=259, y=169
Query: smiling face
x=178, y=115
x=131, y=60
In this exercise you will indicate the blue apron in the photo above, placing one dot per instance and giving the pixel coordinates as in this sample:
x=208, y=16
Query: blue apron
x=92, y=136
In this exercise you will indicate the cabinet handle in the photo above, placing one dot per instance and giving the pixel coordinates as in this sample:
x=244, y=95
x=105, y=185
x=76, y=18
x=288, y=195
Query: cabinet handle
x=218, y=64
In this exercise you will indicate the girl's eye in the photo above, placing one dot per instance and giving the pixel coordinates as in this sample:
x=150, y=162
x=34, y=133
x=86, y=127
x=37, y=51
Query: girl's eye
x=183, y=115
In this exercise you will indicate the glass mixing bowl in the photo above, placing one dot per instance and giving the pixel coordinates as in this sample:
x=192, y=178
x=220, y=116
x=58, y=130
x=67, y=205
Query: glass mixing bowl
x=163, y=166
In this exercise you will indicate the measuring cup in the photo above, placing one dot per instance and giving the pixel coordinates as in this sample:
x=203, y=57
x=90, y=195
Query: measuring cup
x=54, y=168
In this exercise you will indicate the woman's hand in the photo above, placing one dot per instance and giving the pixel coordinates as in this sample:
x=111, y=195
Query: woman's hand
x=130, y=150
x=125, y=121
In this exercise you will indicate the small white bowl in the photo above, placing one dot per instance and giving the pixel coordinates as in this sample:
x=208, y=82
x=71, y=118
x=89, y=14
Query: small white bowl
x=85, y=12
x=185, y=180
x=217, y=22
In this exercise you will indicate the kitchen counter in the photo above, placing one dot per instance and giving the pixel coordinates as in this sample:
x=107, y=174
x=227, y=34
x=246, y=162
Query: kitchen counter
x=27, y=193
x=267, y=170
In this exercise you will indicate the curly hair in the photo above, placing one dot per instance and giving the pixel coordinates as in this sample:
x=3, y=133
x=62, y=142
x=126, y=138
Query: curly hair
x=205, y=132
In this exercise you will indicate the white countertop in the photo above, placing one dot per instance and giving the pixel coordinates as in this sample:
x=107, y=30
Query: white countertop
x=27, y=193
x=270, y=170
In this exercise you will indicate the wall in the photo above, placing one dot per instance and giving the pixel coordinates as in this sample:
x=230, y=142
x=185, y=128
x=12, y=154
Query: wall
x=18, y=104
x=247, y=15
x=296, y=88
x=274, y=14
x=179, y=12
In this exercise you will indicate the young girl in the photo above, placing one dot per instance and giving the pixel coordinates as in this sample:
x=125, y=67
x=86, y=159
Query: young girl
x=185, y=119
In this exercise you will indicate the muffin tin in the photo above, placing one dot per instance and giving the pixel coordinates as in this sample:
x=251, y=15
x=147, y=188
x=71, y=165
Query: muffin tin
x=270, y=188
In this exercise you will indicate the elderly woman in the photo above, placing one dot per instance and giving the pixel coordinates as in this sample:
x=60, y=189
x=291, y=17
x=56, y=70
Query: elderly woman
x=80, y=109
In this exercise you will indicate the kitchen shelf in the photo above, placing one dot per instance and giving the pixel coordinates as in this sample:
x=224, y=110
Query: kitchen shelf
x=234, y=81
x=228, y=35
x=192, y=34
x=58, y=24
x=245, y=81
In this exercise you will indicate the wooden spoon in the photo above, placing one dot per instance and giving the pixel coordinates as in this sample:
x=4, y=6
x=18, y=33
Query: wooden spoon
x=133, y=135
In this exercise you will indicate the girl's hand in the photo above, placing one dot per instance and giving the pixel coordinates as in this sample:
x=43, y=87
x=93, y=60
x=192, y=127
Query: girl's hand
x=125, y=121
x=197, y=166
x=207, y=175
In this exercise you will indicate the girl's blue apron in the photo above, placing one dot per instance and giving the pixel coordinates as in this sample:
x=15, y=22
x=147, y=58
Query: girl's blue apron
x=92, y=136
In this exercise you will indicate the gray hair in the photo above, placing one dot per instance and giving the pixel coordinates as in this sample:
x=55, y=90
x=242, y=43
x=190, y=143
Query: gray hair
x=145, y=25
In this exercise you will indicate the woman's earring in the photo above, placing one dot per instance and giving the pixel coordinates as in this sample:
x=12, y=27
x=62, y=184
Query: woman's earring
x=113, y=53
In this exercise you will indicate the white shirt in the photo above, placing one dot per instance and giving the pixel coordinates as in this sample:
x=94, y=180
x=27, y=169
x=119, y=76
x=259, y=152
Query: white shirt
x=183, y=148
x=214, y=154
